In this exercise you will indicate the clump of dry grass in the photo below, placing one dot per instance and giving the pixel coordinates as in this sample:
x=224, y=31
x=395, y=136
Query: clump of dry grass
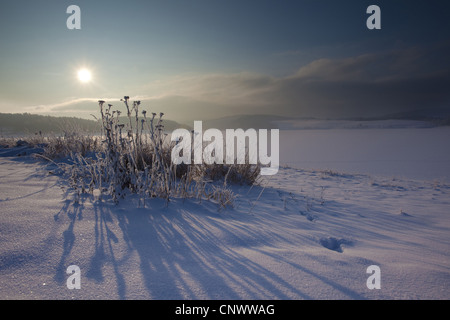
x=135, y=158
x=54, y=146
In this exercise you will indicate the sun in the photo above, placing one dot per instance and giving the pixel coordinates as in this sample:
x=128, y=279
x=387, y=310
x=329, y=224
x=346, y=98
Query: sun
x=84, y=75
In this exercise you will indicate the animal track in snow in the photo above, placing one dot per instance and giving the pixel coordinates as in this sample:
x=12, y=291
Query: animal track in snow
x=334, y=244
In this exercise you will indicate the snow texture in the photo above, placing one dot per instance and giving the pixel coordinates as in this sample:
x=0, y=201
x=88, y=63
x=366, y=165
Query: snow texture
x=301, y=234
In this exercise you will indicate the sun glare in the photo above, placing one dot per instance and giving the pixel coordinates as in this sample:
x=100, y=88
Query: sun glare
x=84, y=75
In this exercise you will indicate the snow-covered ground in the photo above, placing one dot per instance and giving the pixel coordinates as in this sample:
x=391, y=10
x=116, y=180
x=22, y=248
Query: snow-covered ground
x=305, y=233
x=410, y=152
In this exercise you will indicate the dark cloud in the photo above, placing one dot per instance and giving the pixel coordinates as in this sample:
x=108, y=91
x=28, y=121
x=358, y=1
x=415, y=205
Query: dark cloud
x=366, y=85
x=362, y=86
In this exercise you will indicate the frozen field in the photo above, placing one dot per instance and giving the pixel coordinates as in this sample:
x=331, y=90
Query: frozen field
x=357, y=197
x=417, y=153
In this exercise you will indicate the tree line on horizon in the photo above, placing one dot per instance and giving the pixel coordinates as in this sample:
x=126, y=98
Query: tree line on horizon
x=33, y=124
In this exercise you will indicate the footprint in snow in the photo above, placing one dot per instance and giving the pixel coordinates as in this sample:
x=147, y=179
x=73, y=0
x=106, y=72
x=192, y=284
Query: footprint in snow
x=334, y=244
x=403, y=213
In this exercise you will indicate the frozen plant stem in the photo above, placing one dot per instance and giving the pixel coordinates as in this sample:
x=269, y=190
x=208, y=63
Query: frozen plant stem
x=134, y=157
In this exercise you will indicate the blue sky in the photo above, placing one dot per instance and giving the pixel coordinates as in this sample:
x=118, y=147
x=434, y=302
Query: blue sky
x=198, y=58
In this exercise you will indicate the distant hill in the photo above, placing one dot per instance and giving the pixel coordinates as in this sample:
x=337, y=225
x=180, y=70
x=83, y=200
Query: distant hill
x=245, y=122
x=169, y=125
x=26, y=124
x=437, y=116
x=14, y=124
x=433, y=117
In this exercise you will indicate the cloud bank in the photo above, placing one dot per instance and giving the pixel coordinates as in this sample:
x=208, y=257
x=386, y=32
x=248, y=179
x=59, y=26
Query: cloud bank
x=362, y=86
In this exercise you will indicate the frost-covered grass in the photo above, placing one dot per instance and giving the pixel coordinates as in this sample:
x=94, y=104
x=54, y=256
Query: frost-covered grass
x=134, y=158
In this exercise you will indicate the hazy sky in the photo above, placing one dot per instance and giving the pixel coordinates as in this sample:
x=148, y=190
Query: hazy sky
x=195, y=59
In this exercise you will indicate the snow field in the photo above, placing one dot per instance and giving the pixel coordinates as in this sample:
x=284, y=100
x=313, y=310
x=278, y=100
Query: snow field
x=301, y=234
